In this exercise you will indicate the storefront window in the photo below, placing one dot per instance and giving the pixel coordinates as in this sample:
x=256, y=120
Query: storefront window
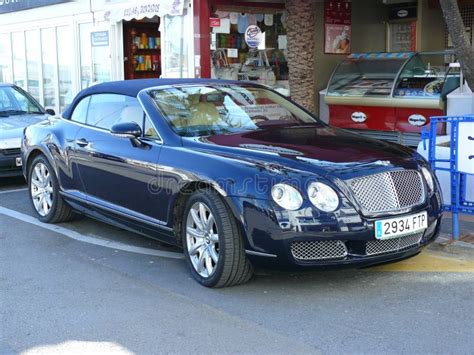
x=250, y=46
x=65, y=59
x=5, y=57
x=48, y=55
x=175, y=60
x=86, y=55
x=101, y=65
x=18, y=48
x=33, y=63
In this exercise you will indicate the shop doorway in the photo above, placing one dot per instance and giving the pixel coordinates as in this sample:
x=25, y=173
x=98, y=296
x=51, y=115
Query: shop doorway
x=142, y=48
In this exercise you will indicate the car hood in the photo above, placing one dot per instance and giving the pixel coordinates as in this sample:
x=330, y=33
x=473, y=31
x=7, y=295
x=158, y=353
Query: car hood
x=318, y=149
x=11, y=129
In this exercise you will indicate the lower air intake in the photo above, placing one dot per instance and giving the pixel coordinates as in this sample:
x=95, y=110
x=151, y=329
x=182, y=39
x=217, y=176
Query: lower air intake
x=318, y=250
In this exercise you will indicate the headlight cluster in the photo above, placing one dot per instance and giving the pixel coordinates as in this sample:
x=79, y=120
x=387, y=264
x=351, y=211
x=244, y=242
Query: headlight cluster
x=322, y=196
x=287, y=196
x=428, y=178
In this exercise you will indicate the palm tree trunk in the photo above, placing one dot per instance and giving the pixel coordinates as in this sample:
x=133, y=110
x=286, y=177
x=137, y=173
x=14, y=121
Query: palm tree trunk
x=461, y=41
x=301, y=43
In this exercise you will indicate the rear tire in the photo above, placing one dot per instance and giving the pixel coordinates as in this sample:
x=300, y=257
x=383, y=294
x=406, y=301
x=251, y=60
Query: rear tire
x=212, y=242
x=43, y=189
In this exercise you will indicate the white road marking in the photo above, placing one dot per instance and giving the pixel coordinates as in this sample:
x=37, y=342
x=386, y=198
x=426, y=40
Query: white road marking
x=14, y=190
x=89, y=239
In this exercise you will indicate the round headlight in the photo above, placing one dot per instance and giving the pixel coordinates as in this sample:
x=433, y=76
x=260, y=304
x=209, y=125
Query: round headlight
x=323, y=197
x=287, y=196
x=428, y=178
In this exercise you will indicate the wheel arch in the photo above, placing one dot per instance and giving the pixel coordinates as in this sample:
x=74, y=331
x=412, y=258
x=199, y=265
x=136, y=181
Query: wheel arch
x=32, y=154
x=179, y=205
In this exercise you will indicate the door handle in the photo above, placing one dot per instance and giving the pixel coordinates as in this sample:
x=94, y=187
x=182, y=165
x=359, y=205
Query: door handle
x=82, y=142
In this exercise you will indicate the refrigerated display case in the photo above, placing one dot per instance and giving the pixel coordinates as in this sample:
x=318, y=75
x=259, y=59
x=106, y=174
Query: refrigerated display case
x=390, y=95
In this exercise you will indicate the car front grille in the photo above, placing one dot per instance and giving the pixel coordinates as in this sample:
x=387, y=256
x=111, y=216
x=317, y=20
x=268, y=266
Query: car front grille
x=376, y=247
x=389, y=191
x=10, y=152
x=318, y=250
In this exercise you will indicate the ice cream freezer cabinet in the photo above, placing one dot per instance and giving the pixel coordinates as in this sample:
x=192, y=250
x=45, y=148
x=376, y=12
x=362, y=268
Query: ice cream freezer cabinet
x=391, y=96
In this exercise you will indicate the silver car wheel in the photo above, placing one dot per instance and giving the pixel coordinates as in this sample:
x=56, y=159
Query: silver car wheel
x=202, y=239
x=41, y=189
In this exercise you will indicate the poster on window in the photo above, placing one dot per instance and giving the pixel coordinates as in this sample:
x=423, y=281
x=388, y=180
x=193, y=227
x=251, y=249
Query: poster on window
x=337, y=26
x=337, y=39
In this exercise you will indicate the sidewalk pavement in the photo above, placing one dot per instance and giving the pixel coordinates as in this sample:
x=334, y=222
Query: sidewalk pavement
x=445, y=241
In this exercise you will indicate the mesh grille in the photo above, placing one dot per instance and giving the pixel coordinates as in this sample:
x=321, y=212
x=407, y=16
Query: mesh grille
x=375, y=247
x=318, y=250
x=390, y=191
x=8, y=152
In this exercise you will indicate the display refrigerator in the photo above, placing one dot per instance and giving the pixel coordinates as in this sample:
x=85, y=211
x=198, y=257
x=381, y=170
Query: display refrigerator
x=401, y=36
x=390, y=96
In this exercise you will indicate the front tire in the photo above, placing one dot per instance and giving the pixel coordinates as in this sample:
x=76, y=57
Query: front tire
x=43, y=188
x=212, y=243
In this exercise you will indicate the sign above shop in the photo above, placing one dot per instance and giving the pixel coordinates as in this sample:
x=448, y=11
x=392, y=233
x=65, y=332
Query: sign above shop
x=18, y=5
x=253, y=36
x=402, y=12
x=143, y=8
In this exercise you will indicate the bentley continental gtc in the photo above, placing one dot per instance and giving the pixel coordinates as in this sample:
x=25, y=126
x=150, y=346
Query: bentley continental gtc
x=234, y=173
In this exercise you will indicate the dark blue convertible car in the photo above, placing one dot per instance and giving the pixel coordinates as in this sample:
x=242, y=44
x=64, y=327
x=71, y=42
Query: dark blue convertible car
x=234, y=173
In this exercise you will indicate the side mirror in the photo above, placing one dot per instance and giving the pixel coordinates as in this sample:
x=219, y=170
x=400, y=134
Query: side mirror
x=129, y=130
x=50, y=111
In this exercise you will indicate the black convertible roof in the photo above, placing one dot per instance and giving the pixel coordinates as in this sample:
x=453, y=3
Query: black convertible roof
x=133, y=87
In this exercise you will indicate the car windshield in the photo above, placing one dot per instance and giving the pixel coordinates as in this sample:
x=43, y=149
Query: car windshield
x=203, y=110
x=15, y=101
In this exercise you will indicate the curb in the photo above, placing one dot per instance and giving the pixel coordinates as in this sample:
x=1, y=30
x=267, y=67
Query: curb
x=446, y=244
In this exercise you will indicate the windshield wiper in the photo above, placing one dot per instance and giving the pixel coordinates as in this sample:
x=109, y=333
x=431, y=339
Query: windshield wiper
x=7, y=113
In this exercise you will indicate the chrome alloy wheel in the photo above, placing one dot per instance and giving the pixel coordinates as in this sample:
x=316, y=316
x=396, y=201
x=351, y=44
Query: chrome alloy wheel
x=202, y=239
x=41, y=189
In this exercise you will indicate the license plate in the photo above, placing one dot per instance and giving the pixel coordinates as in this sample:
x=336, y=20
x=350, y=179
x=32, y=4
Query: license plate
x=18, y=162
x=396, y=227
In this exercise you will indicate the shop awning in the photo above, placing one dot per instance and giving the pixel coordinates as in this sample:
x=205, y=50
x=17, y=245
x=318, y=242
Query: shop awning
x=140, y=9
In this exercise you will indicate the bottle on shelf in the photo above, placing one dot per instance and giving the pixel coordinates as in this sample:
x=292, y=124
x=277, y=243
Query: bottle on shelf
x=143, y=41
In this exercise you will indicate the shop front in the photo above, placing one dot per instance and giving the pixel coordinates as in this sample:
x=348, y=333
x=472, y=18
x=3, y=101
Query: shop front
x=399, y=68
x=391, y=95
x=243, y=40
x=37, y=48
x=61, y=47
x=154, y=38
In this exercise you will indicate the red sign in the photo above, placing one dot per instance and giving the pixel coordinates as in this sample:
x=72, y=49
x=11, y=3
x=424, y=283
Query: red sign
x=215, y=22
x=337, y=26
x=337, y=12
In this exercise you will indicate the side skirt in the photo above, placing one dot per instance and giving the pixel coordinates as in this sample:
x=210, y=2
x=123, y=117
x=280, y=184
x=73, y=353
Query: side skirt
x=121, y=220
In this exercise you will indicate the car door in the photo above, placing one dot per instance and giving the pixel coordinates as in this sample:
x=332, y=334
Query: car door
x=67, y=129
x=117, y=172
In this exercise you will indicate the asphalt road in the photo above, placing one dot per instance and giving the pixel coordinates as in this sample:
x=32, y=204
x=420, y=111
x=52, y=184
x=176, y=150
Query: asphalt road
x=86, y=287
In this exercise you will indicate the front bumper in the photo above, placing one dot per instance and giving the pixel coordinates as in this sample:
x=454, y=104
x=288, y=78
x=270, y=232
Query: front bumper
x=344, y=238
x=8, y=163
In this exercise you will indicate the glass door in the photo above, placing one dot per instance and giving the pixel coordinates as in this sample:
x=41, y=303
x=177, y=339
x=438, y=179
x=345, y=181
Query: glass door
x=401, y=36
